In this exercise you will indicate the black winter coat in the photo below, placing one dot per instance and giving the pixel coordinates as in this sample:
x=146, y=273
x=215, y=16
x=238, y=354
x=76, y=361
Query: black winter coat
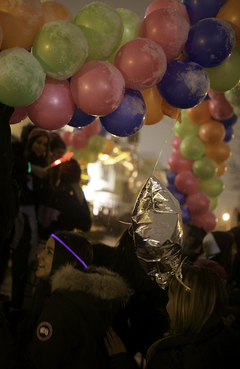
x=73, y=321
x=214, y=347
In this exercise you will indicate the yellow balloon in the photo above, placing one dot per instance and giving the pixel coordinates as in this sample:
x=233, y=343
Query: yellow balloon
x=153, y=101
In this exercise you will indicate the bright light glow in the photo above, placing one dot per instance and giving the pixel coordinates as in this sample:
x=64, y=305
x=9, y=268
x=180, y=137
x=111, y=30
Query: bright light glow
x=57, y=162
x=226, y=216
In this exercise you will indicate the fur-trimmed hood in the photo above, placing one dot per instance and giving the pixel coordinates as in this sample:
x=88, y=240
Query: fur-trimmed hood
x=98, y=282
x=96, y=295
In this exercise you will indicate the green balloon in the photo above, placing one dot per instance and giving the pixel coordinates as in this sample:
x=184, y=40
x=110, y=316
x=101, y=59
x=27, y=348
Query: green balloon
x=233, y=96
x=192, y=147
x=96, y=144
x=213, y=203
x=186, y=128
x=61, y=49
x=22, y=78
x=131, y=24
x=225, y=76
x=204, y=168
x=213, y=187
x=103, y=29
x=88, y=156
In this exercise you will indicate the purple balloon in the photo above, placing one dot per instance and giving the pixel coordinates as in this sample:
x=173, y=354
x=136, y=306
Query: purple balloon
x=228, y=134
x=200, y=9
x=186, y=215
x=210, y=42
x=181, y=197
x=230, y=121
x=80, y=119
x=171, y=176
x=129, y=117
x=184, y=85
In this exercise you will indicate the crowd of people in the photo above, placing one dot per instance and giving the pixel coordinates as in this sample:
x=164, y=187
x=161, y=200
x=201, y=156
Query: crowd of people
x=93, y=305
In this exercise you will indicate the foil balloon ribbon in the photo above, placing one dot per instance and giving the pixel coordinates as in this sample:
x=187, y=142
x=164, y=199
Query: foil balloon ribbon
x=157, y=232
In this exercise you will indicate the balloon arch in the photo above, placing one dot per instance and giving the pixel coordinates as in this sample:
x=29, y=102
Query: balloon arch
x=106, y=69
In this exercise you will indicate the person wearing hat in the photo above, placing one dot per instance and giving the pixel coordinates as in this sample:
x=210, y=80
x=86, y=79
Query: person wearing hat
x=73, y=307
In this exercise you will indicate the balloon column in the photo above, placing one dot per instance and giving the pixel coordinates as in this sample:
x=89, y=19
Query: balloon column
x=199, y=158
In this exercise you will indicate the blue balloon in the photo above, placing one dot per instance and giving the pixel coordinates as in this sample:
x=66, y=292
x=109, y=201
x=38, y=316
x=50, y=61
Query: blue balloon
x=200, y=9
x=80, y=119
x=184, y=85
x=181, y=197
x=210, y=42
x=129, y=117
x=229, y=134
x=230, y=121
x=186, y=215
x=171, y=176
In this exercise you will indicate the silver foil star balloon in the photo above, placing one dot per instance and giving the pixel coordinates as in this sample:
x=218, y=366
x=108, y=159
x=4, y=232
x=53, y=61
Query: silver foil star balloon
x=157, y=232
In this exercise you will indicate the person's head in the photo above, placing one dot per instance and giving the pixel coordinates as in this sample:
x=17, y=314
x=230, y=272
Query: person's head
x=214, y=265
x=64, y=248
x=57, y=146
x=192, y=239
x=204, y=304
x=70, y=172
x=38, y=144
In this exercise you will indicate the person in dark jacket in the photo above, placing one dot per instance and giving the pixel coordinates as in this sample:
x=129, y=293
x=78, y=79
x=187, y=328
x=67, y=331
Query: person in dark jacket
x=67, y=207
x=71, y=314
x=198, y=338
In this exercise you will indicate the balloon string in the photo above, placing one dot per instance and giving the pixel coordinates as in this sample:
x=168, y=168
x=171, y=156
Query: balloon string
x=154, y=170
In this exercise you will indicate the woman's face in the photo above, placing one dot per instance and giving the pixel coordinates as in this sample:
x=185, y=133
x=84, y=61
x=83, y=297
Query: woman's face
x=169, y=305
x=45, y=260
x=39, y=146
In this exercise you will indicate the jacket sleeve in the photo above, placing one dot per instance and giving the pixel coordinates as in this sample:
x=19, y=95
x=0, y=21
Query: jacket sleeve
x=123, y=360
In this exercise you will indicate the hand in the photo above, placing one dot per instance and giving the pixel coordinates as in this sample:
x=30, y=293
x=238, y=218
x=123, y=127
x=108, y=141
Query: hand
x=113, y=343
x=39, y=171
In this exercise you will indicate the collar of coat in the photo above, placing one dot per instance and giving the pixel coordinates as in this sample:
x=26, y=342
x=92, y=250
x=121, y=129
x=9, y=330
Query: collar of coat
x=99, y=282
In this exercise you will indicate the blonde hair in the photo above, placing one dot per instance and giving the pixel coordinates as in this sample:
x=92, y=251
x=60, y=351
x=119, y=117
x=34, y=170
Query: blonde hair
x=193, y=310
x=203, y=304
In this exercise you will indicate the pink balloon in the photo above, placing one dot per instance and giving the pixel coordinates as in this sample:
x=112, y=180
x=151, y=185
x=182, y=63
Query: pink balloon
x=186, y=182
x=206, y=221
x=220, y=109
x=142, y=63
x=178, y=163
x=78, y=139
x=92, y=129
x=18, y=115
x=97, y=88
x=215, y=95
x=174, y=4
x=54, y=108
x=176, y=142
x=168, y=28
x=66, y=136
x=198, y=203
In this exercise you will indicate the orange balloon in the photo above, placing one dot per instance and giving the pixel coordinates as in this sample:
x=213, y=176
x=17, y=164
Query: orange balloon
x=212, y=132
x=218, y=152
x=109, y=145
x=20, y=23
x=230, y=12
x=171, y=111
x=200, y=113
x=153, y=102
x=53, y=11
x=221, y=169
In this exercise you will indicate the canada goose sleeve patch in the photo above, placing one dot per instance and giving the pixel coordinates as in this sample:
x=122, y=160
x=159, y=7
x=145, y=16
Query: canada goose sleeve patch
x=44, y=331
